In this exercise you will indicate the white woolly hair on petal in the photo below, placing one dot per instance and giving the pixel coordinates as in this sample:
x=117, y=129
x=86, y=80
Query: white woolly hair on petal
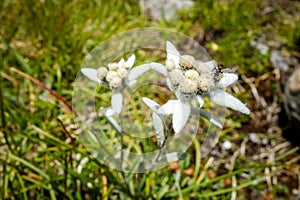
x=211, y=64
x=200, y=100
x=138, y=71
x=151, y=104
x=180, y=115
x=131, y=60
x=159, y=68
x=117, y=102
x=158, y=127
x=121, y=62
x=131, y=83
x=91, y=74
x=108, y=111
x=167, y=108
x=172, y=53
x=169, y=84
x=226, y=80
x=224, y=99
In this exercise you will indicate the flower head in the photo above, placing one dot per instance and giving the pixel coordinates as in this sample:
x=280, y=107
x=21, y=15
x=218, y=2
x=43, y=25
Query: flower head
x=191, y=74
x=116, y=76
x=119, y=75
x=205, y=83
x=190, y=78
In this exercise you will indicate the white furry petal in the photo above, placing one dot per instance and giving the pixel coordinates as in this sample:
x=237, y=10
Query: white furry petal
x=173, y=54
x=200, y=100
x=159, y=68
x=151, y=104
x=226, y=80
x=130, y=61
x=168, y=108
x=159, y=128
x=181, y=115
x=211, y=64
x=117, y=102
x=224, y=99
x=138, y=71
x=91, y=74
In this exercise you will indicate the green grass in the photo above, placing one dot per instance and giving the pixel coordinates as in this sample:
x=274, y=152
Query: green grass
x=42, y=157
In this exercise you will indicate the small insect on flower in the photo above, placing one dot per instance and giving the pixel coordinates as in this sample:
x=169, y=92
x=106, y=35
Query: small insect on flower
x=220, y=67
x=218, y=72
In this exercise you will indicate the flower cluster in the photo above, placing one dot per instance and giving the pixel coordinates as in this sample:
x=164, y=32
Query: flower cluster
x=187, y=77
x=116, y=75
x=193, y=77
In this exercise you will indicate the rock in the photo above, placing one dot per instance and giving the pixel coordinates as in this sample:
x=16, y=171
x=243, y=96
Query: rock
x=163, y=9
x=254, y=138
x=292, y=108
x=278, y=61
x=226, y=145
x=292, y=95
x=261, y=47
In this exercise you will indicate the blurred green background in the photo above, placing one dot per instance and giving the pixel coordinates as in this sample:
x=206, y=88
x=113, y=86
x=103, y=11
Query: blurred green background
x=41, y=157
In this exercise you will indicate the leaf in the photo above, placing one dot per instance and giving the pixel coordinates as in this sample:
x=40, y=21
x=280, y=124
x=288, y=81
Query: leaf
x=159, y=128
x=181, y=115
x=22, y=61
x=91, y=74
x=226, y=80
x=224, y=99
x=172, y=53
x=117, y=102
x=138, y=71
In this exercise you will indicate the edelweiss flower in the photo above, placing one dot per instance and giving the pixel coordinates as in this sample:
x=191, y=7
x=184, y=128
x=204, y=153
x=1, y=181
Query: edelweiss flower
x=118, y=76
x=115, y=76
x=190, y=78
